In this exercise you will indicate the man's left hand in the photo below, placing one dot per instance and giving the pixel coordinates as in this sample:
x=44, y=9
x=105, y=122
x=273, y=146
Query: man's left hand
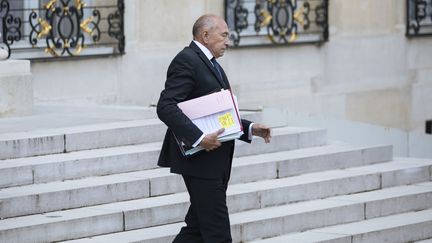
x=261, y=131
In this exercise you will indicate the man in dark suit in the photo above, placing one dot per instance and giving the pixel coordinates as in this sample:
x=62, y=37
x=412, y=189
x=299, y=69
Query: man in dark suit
x=193, y=73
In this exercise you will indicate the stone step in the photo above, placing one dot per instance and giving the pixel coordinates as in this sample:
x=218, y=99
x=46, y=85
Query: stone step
x=157, y=234
x=60, y=140
x=98, y=162
x=75, y=165
x=273, y=221
x=171, y=208
x=307, y=160
x=299, y=137
x=255, y=116
x=49, y=115
x=400, y=228
x=404, y=172
x=424, y=241
x=35, y=198
x=67, y=139
x=40, y=198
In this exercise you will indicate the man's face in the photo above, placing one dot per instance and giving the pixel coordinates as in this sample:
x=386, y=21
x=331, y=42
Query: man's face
x=218, y=38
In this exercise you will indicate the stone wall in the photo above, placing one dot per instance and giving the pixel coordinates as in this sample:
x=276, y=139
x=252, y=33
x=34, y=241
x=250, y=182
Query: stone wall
x=16, y=88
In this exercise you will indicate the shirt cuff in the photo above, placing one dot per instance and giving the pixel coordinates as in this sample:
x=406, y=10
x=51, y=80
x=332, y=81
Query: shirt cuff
x=198, y=141
x=250, y=132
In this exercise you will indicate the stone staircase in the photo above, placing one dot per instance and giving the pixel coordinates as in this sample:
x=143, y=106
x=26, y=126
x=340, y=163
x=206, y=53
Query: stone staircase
x=100, y=183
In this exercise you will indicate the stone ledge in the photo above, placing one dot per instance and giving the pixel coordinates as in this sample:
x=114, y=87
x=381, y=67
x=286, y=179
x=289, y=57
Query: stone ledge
x=14, y=67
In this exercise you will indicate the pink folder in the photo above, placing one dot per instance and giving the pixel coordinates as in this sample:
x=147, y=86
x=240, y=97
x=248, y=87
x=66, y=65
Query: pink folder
x=207, y=105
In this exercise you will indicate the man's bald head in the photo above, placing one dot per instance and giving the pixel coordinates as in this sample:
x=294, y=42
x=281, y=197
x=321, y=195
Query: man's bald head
x=212, y=31
x=205, y=22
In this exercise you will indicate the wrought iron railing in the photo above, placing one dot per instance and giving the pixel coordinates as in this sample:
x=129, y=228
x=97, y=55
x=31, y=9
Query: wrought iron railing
x=419, y=18
x=47, y=29
x=277, y=22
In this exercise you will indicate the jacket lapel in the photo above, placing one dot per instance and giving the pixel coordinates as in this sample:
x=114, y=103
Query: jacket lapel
x=207, y=62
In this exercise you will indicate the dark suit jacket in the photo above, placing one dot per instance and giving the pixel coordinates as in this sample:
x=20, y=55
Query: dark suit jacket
x=191, y=75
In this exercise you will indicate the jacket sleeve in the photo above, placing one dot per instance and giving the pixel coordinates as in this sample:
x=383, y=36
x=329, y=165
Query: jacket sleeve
x=178, y=87
x=245, y=136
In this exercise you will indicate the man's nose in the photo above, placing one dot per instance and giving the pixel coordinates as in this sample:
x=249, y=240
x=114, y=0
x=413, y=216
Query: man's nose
x=227, y=42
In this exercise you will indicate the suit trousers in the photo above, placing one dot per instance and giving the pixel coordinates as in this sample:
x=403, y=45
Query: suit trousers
x=207, y=219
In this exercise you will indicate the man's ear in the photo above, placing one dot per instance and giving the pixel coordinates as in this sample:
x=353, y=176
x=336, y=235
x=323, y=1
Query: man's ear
x=205, y=36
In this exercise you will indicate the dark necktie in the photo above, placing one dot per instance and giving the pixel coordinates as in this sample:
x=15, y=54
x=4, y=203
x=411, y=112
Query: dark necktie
x=218, y=68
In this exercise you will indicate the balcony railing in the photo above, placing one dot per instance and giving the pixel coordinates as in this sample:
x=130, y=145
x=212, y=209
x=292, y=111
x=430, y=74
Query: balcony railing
x=419, y=18
x=50, y=29
x=277, y=22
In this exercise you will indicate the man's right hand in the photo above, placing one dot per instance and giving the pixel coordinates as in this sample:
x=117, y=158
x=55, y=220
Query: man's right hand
x=210, y=141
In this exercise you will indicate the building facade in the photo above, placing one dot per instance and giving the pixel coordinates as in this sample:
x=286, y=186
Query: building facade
x=368, y=70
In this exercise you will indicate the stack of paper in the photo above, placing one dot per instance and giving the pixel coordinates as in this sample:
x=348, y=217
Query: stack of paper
x=211, y=113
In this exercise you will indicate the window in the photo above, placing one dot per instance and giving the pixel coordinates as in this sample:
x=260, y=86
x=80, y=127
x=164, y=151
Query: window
x=419, y=18
x=45, y=29
x=277, y=22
